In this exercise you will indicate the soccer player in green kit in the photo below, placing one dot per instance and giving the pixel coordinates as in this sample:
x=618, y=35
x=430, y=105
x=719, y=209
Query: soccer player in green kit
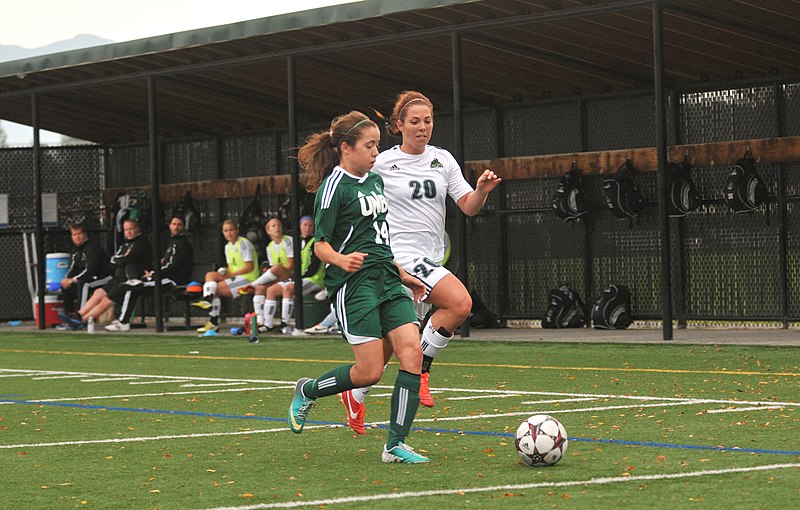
x=376, y=316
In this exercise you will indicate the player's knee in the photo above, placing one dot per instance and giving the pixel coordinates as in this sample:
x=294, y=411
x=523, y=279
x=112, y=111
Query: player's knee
x=462, y=305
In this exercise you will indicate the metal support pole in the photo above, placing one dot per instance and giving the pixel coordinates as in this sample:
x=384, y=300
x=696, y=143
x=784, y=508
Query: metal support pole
x=37, y=196
x=783, y=221
x=661, y=153
x=155, y=203
x=294, y=171
x=458, y=153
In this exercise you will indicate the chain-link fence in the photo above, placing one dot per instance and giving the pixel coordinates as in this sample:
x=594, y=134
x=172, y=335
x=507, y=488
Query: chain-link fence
x=726, y=266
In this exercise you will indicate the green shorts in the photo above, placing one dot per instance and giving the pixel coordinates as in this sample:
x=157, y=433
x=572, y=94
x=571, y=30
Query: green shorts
x=372, y=303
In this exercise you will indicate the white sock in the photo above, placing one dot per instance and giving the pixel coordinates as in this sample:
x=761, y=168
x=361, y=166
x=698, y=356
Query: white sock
x=216, y=306
x=287, y=307
x=258, y=307
x=209, y=289
x=433, y=341
x=360, y=394
x=269, y=311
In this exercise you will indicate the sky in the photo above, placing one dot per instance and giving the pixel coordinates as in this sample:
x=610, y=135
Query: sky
x=32, y=24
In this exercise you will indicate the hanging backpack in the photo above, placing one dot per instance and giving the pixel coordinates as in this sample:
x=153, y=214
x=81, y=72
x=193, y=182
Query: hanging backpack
x=191, y=216
x=683, y=196
x=612, y=310
x=130, y=206
x=570, y=201
x=251, y=223
x=565, y=309
x=744, y=189
x=621, y=193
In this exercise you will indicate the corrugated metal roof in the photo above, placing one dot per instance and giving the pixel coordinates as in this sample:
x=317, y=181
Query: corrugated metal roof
x=232, y=79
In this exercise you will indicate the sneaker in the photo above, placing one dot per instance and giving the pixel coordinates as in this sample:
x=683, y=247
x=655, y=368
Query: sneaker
x=66, y=317
x=425, y=397
x=62, y=327
x=300, y=407
x=202, y=303
x=208, y=326
x=286, y=329
x=118, y=326
x=403, y=453
x=317, y=330
x=75, y=325
x=334, y=330
x=355, y=412
x=321, y=295
x=134, y=282
x=264, y=329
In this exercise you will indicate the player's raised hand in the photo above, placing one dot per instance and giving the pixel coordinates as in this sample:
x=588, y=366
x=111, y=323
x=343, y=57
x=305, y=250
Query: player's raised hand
x=487, y=181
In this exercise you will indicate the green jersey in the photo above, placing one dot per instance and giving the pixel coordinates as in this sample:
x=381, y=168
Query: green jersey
x=350, y=215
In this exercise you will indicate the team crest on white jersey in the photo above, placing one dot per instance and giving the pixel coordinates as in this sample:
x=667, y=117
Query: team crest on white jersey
x=435, y=164
x=372, y=204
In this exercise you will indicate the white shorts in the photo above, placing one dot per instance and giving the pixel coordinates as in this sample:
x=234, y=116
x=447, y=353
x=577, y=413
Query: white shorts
x=309, y=287
x=236, y=283
x=429, y=273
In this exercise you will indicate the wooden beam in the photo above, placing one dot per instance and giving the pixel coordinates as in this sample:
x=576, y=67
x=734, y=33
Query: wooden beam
x=212, y=190
x=704, y=155
x=766, y=150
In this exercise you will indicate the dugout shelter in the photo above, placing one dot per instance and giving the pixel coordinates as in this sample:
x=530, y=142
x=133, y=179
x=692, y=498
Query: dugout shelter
x=530, y=88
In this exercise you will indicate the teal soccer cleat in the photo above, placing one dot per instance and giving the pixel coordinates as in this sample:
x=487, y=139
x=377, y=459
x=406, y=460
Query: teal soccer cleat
x=404, y=454
x=300, y=407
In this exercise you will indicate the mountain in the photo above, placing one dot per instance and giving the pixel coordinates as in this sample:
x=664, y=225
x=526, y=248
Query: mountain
x=11, y=52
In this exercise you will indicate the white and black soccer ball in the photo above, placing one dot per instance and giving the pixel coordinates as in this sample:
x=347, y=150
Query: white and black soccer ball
x=541, y=440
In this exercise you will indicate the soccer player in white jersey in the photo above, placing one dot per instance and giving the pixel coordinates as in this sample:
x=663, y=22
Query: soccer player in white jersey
x=418, y=178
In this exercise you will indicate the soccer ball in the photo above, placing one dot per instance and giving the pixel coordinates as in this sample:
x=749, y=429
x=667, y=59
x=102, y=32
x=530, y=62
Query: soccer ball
x=541, y=440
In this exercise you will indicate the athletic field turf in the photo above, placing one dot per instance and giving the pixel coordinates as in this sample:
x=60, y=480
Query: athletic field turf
x=181, y=422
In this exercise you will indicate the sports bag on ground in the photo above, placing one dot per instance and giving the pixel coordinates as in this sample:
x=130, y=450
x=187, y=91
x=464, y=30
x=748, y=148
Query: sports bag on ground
x=622, y=195
x=565, y=309
x=570, y=201
x=683, y=195
x=744, y=189
x=613, y=309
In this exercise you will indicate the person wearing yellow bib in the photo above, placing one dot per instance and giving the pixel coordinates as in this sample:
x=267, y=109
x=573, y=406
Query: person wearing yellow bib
x=313, y=274
x=241, y=270
x=280, y=257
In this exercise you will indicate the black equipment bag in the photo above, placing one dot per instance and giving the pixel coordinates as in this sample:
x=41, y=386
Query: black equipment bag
x=191, y=216
x=744, y=189
x=623, y=196
x=613, y=309
x=683, y=195
x=565, y=309
x=251, y=223
x=570, y=201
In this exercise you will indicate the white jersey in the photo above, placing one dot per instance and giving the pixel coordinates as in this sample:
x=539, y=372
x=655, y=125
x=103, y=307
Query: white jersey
x=416, y=186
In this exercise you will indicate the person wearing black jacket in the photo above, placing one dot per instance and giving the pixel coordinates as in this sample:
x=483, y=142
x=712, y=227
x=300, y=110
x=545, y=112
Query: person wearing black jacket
x=89, y=269
x=176, y=269
x=130, y=261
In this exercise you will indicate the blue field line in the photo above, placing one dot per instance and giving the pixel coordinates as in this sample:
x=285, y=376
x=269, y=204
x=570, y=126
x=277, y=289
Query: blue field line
x=421, y=429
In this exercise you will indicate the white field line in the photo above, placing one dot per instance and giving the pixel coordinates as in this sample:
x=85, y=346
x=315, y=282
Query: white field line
x=161, y=438
x=739, y=409
x=47, y=378
x=170, y=381
x=190, y=385
x=159, y=394
x=516, y=487
x=558, y=401
x=108, y=379
x=474, y=397
x=16, y=375
x=678, y=400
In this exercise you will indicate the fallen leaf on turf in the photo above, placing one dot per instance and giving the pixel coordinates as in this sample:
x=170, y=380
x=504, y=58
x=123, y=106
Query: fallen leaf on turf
x=155, y=490
x=247, y=495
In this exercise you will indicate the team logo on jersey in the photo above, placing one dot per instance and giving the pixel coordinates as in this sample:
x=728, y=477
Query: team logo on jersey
x=435, y=164
x=372, y=204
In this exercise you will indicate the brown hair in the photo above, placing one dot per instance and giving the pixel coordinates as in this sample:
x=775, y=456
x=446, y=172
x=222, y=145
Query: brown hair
x=321, y=151
x=403, y=100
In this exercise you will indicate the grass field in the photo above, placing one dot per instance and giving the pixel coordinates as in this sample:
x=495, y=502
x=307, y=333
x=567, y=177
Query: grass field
x=180, y=422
